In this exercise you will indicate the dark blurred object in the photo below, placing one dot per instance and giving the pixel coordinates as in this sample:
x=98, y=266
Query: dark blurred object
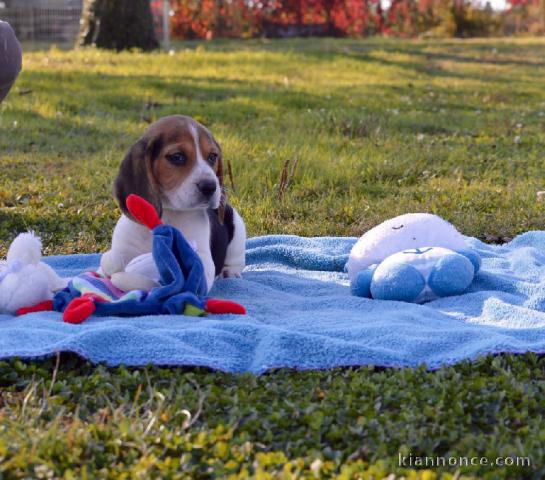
x=282, y=30
x=118, y=25
x=10, y=58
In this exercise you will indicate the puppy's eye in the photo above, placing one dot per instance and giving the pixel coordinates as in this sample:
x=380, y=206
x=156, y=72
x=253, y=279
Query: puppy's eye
x=213, y=158
x=177, y=158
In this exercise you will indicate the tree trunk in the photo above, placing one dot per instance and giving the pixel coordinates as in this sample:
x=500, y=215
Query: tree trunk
x=328, y=9
x=118, y=24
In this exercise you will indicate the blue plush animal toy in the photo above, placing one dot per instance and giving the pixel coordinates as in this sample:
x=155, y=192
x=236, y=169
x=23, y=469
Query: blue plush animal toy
x=417, y=257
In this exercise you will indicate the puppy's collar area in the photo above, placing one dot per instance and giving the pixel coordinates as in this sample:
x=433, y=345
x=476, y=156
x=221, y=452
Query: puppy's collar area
x=201, y=207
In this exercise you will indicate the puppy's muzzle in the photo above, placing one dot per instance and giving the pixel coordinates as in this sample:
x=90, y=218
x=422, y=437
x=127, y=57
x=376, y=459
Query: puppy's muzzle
x=207, y=188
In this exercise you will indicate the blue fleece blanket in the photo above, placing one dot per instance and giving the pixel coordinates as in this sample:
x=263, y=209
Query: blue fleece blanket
x=301, y=315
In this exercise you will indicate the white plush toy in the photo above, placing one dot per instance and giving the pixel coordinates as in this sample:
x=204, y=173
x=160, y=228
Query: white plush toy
x=416, y=257
x=25, y=280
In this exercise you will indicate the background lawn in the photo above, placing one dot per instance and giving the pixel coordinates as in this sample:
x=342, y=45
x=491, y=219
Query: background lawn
x=370, y=129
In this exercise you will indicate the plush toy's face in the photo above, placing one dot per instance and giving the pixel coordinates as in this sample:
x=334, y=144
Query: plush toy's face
x=415, y=257
x=413, y=230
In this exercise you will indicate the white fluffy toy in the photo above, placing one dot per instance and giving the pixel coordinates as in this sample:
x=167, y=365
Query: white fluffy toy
x=416, y=257
x=25, y=281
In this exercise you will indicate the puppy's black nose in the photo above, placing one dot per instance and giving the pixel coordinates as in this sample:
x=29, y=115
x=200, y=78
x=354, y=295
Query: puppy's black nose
x=207, y=187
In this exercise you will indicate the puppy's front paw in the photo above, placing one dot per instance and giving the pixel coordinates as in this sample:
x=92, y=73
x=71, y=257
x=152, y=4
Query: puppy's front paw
x=231, y=272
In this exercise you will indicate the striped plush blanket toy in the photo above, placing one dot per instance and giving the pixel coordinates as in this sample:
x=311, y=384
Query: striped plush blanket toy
x=182, y=287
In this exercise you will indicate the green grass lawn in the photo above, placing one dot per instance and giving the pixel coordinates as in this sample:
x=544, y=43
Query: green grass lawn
x=371, y=129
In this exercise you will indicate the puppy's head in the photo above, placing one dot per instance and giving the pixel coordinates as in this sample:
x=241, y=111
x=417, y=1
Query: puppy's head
x=175, y=165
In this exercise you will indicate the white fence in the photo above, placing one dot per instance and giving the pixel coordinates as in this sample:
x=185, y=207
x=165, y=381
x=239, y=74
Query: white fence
x=57, y=23
x=43, y=23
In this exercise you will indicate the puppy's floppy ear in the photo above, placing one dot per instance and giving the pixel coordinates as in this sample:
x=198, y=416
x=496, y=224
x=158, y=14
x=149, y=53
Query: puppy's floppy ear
x=223, y=198
x=136, y=175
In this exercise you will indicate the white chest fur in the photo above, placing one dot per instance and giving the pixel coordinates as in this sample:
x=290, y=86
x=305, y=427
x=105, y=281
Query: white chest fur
x=130, y=239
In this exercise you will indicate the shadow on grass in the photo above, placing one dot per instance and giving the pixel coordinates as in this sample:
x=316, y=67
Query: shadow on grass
x=423, y=59
x=85, y=92
x=491, y=49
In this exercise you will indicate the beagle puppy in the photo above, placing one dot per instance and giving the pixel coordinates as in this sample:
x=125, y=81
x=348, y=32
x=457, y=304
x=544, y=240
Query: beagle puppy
x=177, y=167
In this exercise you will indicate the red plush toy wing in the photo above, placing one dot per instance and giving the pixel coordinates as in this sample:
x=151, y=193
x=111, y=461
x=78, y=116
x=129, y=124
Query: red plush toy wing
x=143, y=211
x=224, y=306
x=79, y=309
x=45, y=306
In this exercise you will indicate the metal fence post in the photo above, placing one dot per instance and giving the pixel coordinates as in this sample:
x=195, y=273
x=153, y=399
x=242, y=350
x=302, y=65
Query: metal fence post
x=166, y=25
